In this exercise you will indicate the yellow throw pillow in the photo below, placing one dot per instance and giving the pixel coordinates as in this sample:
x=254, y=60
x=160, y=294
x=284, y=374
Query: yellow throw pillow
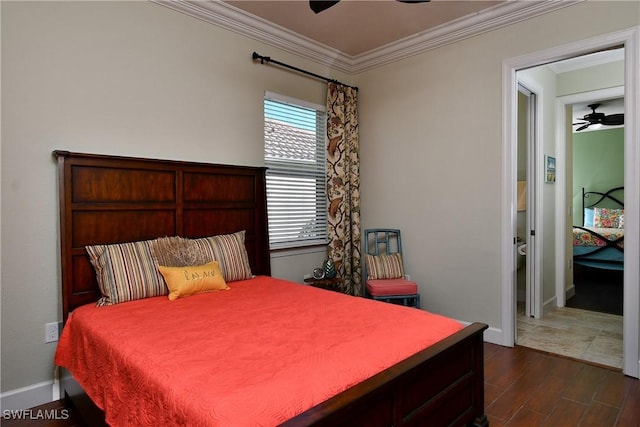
x=185, y=281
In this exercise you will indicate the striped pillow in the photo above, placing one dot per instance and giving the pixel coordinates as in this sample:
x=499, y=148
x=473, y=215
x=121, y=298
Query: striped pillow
x=230, y=252
x=384, y=266
x=126, y=272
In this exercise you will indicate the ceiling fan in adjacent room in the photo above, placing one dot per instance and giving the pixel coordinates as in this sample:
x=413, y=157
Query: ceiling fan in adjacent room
x=600, y=119
x=318, y=6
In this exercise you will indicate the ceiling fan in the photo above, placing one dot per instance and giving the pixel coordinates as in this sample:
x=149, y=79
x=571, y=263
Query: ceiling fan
x=594, y=118
x=318, y=6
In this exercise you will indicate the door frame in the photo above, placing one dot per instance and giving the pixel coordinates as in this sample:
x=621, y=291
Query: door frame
x=630, y=38
x=562, y=201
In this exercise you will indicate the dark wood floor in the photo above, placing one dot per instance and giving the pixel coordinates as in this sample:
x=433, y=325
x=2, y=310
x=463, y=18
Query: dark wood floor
x=523, y=387
x=597, y=290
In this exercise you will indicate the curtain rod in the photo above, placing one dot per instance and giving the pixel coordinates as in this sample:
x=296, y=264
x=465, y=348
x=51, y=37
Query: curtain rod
x=268, y=59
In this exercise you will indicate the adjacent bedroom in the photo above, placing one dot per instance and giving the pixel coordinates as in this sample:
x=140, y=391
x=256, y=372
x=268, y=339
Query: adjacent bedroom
x=598, y=212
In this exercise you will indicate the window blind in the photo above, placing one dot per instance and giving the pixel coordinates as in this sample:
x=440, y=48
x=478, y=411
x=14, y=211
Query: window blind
x=294, y=152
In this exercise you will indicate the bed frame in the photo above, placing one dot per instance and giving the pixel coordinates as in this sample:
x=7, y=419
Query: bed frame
x=109, y=199
x=610, y=256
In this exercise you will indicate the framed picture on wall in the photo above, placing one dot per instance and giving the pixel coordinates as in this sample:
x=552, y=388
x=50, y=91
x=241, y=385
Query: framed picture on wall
x=549, y=169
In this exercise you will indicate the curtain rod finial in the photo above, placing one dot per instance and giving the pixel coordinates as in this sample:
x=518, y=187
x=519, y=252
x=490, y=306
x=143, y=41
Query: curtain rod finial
x=255, y=56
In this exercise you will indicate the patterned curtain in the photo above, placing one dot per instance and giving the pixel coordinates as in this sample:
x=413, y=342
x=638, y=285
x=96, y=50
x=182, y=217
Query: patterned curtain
x=343, y=186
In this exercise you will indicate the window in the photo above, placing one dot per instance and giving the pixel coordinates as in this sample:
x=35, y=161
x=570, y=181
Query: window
x=294, y=153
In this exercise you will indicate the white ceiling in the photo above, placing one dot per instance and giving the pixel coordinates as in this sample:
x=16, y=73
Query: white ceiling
x=358, y=35
x=355, y=27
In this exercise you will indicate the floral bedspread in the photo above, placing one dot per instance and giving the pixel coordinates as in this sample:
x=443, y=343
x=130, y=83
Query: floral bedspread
x=585, y=238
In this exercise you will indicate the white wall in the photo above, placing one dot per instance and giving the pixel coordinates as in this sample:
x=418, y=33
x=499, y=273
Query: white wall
x=434, y=122
x=125, y=78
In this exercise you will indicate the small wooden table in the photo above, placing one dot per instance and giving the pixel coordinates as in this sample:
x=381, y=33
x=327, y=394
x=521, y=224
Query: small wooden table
x=331, y=284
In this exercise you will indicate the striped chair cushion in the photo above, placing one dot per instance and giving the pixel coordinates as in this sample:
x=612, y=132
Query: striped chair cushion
x=384, y=266
x=126, y=272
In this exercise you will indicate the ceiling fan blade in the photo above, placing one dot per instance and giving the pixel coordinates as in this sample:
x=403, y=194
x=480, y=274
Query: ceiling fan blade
x=581, y=123
x=583, y=127
x=613, y=119
x=318, y=6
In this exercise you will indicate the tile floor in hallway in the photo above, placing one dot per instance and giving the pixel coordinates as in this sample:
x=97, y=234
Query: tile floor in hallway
x=586, y=335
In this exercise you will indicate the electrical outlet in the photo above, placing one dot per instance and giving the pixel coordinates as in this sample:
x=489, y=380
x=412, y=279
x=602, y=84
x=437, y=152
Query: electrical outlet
x=51, y=332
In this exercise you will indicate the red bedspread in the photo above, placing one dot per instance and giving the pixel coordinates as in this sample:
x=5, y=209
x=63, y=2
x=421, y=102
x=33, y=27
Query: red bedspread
x=257, y=354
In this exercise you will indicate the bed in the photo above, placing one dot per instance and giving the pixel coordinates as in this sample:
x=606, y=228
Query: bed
x=112, y=201
x=599, y=241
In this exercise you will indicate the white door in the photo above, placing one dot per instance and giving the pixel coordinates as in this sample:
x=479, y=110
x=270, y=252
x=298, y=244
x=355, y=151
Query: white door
x=527, y=160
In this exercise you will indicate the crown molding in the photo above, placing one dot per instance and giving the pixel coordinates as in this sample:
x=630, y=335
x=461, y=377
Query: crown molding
x=501, y=15
x=238, y=21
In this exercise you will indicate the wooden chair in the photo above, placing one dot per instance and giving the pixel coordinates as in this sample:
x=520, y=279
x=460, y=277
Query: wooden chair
x=383, y=269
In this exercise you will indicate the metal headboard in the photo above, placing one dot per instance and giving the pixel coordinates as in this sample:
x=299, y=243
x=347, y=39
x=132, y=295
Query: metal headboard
x=601, y=197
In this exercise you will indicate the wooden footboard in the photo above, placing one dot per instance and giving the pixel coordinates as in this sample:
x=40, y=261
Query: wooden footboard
x=442, y=385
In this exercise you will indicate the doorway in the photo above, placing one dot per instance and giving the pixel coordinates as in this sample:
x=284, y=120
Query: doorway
x=557, y=198
x=598, y=166
x=577, y=329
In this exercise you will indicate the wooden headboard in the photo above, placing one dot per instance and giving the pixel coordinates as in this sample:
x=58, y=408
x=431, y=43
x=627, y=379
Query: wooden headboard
x=110, y=199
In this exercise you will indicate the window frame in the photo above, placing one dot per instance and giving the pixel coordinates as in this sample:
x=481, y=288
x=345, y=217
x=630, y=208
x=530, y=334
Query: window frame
x=316, y=171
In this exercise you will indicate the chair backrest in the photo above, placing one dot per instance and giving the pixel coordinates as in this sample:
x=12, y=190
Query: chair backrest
x=382, y=240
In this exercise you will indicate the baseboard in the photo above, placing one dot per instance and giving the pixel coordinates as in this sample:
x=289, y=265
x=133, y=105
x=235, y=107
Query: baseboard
x=492, y=335
x=549, y=305
x=569, y=292
x=29, y=396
